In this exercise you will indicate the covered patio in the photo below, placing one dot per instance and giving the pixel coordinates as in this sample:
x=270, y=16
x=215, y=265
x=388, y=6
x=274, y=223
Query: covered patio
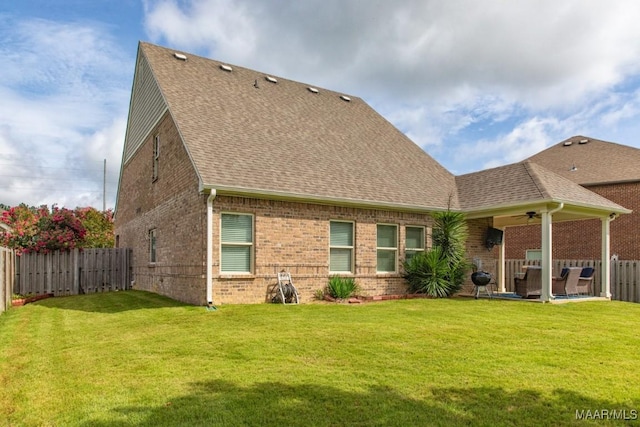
x=526, y=193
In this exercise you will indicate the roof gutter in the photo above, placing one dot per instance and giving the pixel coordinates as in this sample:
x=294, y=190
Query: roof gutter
x=209, y=263
x=323, y=200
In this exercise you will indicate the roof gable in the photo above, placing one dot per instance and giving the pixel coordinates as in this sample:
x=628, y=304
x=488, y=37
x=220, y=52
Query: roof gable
x=145, y=108
x=248, y=134
x=586, y=160
x=522, y=183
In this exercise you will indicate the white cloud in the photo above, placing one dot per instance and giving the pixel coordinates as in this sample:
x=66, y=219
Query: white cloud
x=527, y=50
x=65, y=98
x=221, y=26
x=523, y=141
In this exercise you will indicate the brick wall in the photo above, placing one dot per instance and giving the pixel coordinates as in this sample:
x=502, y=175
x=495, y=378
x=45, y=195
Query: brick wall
x=582, y=239
x=477, y=251
x=172, y=205
x=294, y=237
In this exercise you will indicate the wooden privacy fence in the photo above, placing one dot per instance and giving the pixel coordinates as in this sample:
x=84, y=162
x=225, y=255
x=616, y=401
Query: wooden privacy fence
x=7, y=275
x=625, y=276
x=71, y=273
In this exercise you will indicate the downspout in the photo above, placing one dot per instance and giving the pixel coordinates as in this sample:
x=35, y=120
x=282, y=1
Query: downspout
x=560, y=206
x=210, y=199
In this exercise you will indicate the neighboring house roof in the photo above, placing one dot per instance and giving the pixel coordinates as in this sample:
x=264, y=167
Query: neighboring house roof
x=589, y=161
x=281, y=139
x=524, y=183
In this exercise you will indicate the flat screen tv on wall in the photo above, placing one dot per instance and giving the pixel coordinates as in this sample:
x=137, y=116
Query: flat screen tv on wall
x=494, y=237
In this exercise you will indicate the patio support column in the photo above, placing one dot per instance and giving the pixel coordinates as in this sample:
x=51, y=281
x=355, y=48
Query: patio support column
x=605, y=278
x=501, y=279
x=545, y=294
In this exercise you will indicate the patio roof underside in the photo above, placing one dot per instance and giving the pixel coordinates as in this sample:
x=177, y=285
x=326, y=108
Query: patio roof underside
x=531, y=213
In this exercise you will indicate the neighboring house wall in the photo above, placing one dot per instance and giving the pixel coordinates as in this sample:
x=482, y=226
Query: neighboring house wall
x=172, y=206
x=582, y=239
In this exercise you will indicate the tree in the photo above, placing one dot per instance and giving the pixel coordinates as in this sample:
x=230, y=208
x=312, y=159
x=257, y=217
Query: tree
x=44, y=230
x=99, y=226
x=24, y=226
x=439, y=272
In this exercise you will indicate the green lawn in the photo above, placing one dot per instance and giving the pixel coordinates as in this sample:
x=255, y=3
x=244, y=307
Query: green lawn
x=135, y=358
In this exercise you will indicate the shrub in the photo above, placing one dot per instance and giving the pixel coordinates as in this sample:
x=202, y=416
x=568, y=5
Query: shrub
x=342, y=287
x=428, y=273
x=440, y=271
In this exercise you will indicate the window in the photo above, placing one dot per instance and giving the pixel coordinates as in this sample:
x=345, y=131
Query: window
x=534, y=254
x=387, y=242
x=341, y=247
x=152, y=245
x=414, y=242
x=236, y=254
x=156, y=156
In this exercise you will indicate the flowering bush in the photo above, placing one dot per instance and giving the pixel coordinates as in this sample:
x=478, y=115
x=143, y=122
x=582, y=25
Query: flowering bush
x=24, y=226
x=99, y=227
x=43, y=230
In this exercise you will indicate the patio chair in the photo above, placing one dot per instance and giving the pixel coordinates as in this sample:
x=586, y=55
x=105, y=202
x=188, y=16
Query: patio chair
x=586, y=280
x=571, y=281
x=531, y=284
x=557, y=283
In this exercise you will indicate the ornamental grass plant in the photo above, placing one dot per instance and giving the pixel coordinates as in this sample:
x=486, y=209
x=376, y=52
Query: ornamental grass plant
x=440, y=271
x=342, y=287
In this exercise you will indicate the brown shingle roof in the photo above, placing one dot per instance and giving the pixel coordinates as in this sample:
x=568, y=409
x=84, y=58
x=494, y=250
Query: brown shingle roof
x=248, y=135
x=281, y=138
x=595, y=161
x=522, y=183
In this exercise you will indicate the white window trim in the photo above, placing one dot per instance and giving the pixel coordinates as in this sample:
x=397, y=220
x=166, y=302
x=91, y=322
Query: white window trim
x=352, y=248
x=424, y=239
x=156, y=157
x=538, y=253
x=395, y=249
x=153, y=245
x=252, y=245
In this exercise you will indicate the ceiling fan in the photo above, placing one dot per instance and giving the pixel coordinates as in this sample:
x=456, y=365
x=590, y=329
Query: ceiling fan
x=530, y=215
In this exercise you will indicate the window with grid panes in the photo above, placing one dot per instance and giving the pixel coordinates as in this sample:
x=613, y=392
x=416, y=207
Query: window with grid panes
x=413, y=242
x=341, y=247
x=387, y=248
x=236, y=243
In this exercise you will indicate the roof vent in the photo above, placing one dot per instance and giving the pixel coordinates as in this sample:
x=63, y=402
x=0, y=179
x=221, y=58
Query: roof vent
x=180, y=56
x=345, y=98
x=271, y=79
x=225, y=67
x=573, y=168
x=312, y=89
x=567, y=143
x=583, y=141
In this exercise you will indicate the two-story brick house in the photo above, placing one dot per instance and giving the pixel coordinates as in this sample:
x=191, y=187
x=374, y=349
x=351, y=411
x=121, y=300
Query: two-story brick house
x=606, y=168
x=230, y=175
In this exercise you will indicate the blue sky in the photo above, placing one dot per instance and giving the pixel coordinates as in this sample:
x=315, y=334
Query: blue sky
x=476, y=83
